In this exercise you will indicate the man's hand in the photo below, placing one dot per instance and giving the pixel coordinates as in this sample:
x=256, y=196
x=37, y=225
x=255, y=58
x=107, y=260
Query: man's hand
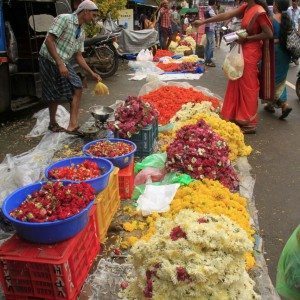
x=63, y=70
x=96, y=77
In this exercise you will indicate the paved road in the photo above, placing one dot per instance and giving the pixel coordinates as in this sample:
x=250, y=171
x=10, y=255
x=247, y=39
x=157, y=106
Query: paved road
x=275, y=160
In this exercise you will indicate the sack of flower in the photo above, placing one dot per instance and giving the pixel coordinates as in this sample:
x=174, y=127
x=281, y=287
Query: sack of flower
x=101, y=89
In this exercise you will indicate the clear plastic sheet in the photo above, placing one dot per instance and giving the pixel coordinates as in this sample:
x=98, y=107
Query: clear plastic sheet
x=144, y=67
x=42, y=121
x=28, y=167
x=105, y=282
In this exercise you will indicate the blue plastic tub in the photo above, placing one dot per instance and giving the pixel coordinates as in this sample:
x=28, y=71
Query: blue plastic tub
x=98, y=183
x=48, y=232
x=119, y=161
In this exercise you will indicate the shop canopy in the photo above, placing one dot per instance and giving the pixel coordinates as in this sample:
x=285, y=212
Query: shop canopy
x=151, y=3
x=185, y=10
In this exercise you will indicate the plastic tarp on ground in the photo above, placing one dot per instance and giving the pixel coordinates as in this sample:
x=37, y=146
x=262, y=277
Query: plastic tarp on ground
x=131, y=41
x=17, y=171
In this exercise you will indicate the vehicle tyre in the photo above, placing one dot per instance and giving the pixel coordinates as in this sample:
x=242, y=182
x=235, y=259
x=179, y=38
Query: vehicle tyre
x=105, y=61
x=298, y=88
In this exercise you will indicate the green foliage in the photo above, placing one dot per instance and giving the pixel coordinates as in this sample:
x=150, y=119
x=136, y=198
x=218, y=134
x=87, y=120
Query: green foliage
x=112, y=6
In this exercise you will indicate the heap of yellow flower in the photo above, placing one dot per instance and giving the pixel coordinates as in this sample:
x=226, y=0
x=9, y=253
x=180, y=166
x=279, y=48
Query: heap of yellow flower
x=208, y=197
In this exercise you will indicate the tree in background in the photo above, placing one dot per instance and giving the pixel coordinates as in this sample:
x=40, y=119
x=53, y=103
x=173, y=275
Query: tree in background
x=110, y=6
x=105, y=7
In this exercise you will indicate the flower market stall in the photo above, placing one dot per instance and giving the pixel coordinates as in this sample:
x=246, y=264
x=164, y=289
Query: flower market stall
x=186, y=227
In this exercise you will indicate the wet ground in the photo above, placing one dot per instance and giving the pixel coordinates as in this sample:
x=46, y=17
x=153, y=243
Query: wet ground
x=275, y=161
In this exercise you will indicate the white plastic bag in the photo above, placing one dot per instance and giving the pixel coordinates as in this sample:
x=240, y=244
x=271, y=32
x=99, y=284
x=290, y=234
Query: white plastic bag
x=233, y=66
x=156, y=198
x=42, y=121
x=145, y=55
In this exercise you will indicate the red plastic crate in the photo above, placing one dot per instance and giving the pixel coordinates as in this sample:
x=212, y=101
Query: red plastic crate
x=35, y=271
x=126, y=182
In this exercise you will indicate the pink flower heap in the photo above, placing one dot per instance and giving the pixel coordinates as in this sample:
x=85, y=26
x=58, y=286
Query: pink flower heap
x=132, y=116
x=198, y=151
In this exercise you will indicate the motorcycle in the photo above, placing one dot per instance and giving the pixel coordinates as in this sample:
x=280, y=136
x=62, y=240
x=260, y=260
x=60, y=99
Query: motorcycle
x=298, y=85
x=101, y=55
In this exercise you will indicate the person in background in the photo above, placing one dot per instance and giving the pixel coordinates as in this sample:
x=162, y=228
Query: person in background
x=241, y=99
x=186, y=23
x=210, y=34
x=60, y=82
x=165, y=24
x=270, y=6
x=282, y=24
x=145, y=23
x=294, y=13
x=218, y=29
x=175, y=22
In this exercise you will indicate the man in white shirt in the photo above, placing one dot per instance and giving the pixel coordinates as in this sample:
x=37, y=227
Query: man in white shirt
x=294, y=13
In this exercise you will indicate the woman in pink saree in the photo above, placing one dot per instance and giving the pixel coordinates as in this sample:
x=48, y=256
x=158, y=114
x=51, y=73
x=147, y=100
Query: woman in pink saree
x=241, y=98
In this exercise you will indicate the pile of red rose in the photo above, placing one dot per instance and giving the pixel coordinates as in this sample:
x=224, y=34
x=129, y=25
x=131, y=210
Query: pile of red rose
x=162, y=53
x=198, y=151
x=110, y=149
x=132, y=116
x=184, y=67
x=54, y=201
x=86, y=170
x=169, y=99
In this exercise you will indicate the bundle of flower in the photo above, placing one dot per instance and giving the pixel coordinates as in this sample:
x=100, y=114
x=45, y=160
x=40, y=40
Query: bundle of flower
x=183, y=67
x=228, y=131
x=169, y=99
x=193, y=256
x=86, y=170
x=190, y=58
x=162, y=53
x=54, y=201
x=110, y=149
x=132, y=116
x=191, y=109
x=198, y=151
x=182, y=49
x=188, y=41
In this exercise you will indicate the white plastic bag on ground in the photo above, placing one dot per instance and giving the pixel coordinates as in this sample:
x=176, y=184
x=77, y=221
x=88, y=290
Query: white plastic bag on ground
x=42, y=120
x=233, y=66
x=28, y=167
x=157, y=198
x=145, y=55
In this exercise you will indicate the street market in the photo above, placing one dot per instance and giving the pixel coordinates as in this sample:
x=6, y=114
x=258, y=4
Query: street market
x=155, y=195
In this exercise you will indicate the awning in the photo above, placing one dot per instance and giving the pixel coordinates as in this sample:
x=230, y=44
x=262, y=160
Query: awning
x=185, y=10
x=151, y=3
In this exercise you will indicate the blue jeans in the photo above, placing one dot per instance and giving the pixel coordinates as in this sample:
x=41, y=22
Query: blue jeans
x=210, y=45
